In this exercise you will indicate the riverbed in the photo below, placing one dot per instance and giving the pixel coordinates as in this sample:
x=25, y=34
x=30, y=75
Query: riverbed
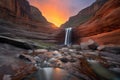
x=51, y=74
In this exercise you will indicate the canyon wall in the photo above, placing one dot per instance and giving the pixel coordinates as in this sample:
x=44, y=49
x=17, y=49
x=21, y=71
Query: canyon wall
x=84, y=15
x=18, y=19
x=104, y=27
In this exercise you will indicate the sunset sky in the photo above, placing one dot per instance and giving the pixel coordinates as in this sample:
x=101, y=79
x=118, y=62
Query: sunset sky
x=59, y=11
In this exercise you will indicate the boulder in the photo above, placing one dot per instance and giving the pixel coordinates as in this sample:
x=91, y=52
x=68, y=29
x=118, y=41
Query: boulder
x=72, y=50
x=64, y=60
x=84, y=46
x=64, y=49
x=76, y=47
x=53, y=62
x=7, y=77
x=93, y=53
x=57, y=54
x=110, y=48
x=27, y=58
x=90, y=44
x=117, y=70
x=73, y=60
x=36, y=58
x=41, y=50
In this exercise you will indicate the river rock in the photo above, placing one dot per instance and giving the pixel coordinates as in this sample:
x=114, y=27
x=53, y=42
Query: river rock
x=72, y=50
x=37, y=51
x=41, y=50
x=76, y=47
x=79, y=56
x=90, y=44
x=37, y=58
x=55, y=62
x=27, y=57
x=52, y=60
x=7, y=77
x=64, y=49
x=57, y=54
x=30, y=51
x=73, y=60
x=110, y=48
x=84, y=46
x=65, y=53
x=64, y=60
x=93, y=53
x=115, y=70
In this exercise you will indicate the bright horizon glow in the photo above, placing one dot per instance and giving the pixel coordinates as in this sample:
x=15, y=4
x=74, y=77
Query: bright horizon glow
x=57, y=11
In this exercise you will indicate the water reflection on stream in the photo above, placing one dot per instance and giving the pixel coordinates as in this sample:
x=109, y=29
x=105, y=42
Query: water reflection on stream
x=51, y=74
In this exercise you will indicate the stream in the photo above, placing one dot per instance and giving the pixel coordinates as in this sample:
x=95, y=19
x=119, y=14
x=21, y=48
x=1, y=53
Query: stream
x=90, y=66
x=51, y=74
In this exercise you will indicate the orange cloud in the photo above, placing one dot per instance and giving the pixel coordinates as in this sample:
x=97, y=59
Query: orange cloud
x=58, y=11
x=52, y=11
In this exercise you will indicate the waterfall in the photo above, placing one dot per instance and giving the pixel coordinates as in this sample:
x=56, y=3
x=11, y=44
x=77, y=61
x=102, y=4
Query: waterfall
x=68, y=32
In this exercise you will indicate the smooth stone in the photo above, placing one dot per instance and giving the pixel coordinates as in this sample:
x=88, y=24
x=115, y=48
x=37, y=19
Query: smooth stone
x=64, y=49
x=76, y=47
x=64, y=60
x=93, y=53
x=90, y=44
x=7, y=77
x=27, y=57
x=72, y=50
x=57, y=54
x=115, y=70
x=41, y=50
x=37, y=58
x=110, y=48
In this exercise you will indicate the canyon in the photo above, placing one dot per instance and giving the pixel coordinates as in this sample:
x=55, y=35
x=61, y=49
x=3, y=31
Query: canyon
x=28, y=42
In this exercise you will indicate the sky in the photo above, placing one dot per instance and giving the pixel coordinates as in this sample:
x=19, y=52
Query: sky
x=59, y=11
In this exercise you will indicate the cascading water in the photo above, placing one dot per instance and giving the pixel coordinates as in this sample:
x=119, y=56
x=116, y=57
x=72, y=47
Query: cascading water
x=68, y=32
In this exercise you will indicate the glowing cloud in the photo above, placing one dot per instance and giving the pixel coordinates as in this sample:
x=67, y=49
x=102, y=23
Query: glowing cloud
x=58, y=11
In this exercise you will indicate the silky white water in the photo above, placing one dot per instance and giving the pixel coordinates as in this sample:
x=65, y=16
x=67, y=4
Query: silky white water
x=68, y=32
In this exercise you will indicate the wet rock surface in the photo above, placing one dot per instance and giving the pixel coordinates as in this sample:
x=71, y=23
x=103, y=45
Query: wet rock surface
x=12, y=67
x=80, y=62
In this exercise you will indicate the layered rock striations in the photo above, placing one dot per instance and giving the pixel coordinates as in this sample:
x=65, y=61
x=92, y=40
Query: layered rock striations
x=19, y=19
x=104, y=27
x=84, y=15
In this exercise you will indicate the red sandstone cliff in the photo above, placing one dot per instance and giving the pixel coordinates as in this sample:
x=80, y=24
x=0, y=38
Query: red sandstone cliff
x=104, y=27
x=19, y=19
x=84, y=15
x=14, y=8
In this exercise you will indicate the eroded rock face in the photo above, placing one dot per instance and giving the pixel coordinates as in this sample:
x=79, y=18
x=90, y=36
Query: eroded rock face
x=84, y=15
x=104, y=27
x=19, y=19
x=14, y=8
